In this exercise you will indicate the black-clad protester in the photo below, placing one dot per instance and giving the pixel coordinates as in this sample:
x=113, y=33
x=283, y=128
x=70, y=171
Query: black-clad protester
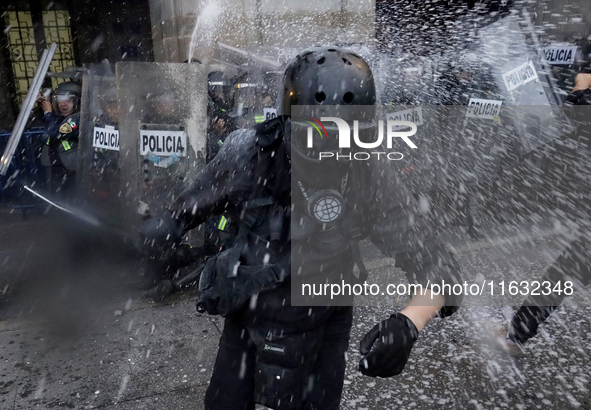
x=271, y=352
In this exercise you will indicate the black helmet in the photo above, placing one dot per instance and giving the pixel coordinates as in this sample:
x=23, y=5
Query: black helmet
x=68, y=90
x=327, y=76
x=326, y=82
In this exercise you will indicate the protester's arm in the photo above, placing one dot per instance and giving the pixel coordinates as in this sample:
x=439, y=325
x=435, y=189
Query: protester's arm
x=226, y=180
x=222, y=182
x=582, y=82
x=422, y=308
x=402, y=232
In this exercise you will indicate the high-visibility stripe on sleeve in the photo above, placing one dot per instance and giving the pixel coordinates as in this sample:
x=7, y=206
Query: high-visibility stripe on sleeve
x=223, y=222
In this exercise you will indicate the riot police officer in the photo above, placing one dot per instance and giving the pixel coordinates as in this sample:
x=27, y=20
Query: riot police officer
x=220, y=90
x=273, y=352
x=61, y=119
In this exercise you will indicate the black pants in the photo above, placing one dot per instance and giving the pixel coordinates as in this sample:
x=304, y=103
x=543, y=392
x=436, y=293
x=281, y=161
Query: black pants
x=232, y=383
x=572, y=265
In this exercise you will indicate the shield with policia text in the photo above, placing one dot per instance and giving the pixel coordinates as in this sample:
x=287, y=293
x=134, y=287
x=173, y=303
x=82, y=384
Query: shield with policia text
x=163, y=109
x=524, y=81
x=505, y=103
x=99, y=183
x=143, y=137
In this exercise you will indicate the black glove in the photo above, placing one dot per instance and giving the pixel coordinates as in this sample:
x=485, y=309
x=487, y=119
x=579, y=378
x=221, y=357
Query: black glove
x=159, y=234
x=395, y=337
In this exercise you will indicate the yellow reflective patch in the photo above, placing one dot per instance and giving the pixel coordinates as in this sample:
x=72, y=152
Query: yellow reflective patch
x=66, y=145
x=223, y=222
x=259, y=118
x=66, y=128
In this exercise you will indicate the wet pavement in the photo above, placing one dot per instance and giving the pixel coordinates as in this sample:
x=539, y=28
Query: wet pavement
x=90, y=341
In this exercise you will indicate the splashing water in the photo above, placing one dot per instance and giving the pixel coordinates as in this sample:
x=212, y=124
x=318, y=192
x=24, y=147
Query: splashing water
x=122, y=387
x=204, y=26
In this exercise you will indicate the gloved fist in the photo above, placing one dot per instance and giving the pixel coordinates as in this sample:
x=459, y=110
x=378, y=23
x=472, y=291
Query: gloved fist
x=393, y=338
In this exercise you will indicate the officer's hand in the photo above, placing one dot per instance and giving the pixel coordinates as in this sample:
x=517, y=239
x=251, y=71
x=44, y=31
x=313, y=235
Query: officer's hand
x=219, y=125
x=394, y=338
x=45, y=105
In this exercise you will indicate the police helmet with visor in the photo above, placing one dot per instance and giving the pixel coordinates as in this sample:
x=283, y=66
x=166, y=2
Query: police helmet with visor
x=67, y=91
x=220, y=88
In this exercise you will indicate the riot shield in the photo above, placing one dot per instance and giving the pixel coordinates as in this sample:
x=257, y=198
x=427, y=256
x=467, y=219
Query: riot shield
x=99, y=183
x=523, y=82
x=162, y=141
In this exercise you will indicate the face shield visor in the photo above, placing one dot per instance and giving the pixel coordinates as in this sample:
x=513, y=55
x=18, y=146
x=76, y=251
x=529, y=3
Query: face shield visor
x=61, y=101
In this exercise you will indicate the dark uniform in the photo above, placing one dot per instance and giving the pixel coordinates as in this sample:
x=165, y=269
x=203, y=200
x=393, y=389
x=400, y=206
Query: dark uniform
x=469, y=78
x=395, y=228
x=220, y=92
x=272, y=352
x=62, y=141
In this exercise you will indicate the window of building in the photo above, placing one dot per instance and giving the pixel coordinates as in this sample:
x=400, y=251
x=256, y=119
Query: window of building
x=23, y=46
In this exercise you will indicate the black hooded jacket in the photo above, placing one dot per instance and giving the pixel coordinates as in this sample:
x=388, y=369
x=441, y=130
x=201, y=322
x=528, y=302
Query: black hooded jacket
x=255, y=164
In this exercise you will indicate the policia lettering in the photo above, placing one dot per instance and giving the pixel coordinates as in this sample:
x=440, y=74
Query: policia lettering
x=520, y=75
x=163, y=143
x=486, y=109
x=106, y=138
x=554, y=55
x=483, y=108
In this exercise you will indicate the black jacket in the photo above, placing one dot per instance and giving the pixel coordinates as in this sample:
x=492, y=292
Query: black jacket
x=253, y=164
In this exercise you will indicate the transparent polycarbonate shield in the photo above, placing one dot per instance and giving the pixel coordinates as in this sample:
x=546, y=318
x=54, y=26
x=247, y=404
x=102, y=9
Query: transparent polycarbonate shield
x=522, y=81
x=473, y=145
x=99, y=183
x=163, y=110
